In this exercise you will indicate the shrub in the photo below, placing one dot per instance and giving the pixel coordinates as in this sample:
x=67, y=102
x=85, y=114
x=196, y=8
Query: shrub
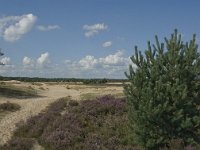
x=163, y=94
x=9, y=107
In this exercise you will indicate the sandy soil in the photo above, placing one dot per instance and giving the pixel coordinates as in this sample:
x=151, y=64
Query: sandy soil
x=50, y=93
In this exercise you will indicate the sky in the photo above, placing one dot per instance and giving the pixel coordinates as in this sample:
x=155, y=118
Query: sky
x=86, y=38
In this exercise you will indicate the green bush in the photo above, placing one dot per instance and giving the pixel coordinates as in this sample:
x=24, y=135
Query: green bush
x=163, y=94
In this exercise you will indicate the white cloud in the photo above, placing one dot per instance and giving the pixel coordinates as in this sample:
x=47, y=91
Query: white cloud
x=88, y=62
x=107, y=44
x=5, y=61
x=12, y=28
x=48, y=28
x=43, y=59
x=28, y=62
x=110, y=66
x=114, y=59
x=91, y=30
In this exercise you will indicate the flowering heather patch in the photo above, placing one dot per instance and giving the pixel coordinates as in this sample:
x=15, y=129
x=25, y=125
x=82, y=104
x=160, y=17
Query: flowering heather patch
x=90, y=124
x=35, y=125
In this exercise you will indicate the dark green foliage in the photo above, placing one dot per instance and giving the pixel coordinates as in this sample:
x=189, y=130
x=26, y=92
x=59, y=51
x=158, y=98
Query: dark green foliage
x=163, y=94
x=9, y=107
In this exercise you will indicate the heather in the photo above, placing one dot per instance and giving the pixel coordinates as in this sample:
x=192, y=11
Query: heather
x=68, y=124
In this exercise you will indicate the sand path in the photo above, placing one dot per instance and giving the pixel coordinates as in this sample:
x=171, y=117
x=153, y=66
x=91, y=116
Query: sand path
x=31, y=107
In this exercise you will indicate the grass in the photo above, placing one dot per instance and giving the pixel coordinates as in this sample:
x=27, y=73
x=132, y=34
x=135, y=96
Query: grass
x=5, y=108
x=17, y=92
x=88, y=96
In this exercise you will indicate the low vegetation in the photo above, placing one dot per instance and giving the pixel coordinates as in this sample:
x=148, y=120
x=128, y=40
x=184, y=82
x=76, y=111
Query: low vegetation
x=17, y=92
x=68, y=124
x=8, y=107
x=71, y=125
x=89, y=96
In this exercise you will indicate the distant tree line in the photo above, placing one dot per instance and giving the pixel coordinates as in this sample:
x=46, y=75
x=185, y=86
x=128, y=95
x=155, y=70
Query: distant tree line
x=95, y=81
x=84, y=81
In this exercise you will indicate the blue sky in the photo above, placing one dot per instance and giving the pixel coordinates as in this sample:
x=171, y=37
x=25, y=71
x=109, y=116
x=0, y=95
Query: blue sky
x=87, y=39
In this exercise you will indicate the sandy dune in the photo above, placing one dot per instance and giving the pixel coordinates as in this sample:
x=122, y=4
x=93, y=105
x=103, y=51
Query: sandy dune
x=50, y=93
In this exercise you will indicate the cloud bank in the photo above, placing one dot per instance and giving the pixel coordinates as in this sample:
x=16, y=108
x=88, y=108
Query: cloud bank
x=110, y=66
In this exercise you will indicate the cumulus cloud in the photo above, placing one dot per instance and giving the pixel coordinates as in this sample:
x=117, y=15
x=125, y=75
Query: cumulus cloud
x=12, y=28
x=114, y=59
x=5, y=61
x=112, y=66
x=88, y=62
x=43, y=59
x=107, y=44
x=48, y=28
x=91, y=30
x=28, y=62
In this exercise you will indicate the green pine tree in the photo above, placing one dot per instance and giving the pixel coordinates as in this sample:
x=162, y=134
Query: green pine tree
x=163, y=94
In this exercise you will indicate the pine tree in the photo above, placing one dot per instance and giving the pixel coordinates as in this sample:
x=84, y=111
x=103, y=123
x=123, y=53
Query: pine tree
x=163, y=94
